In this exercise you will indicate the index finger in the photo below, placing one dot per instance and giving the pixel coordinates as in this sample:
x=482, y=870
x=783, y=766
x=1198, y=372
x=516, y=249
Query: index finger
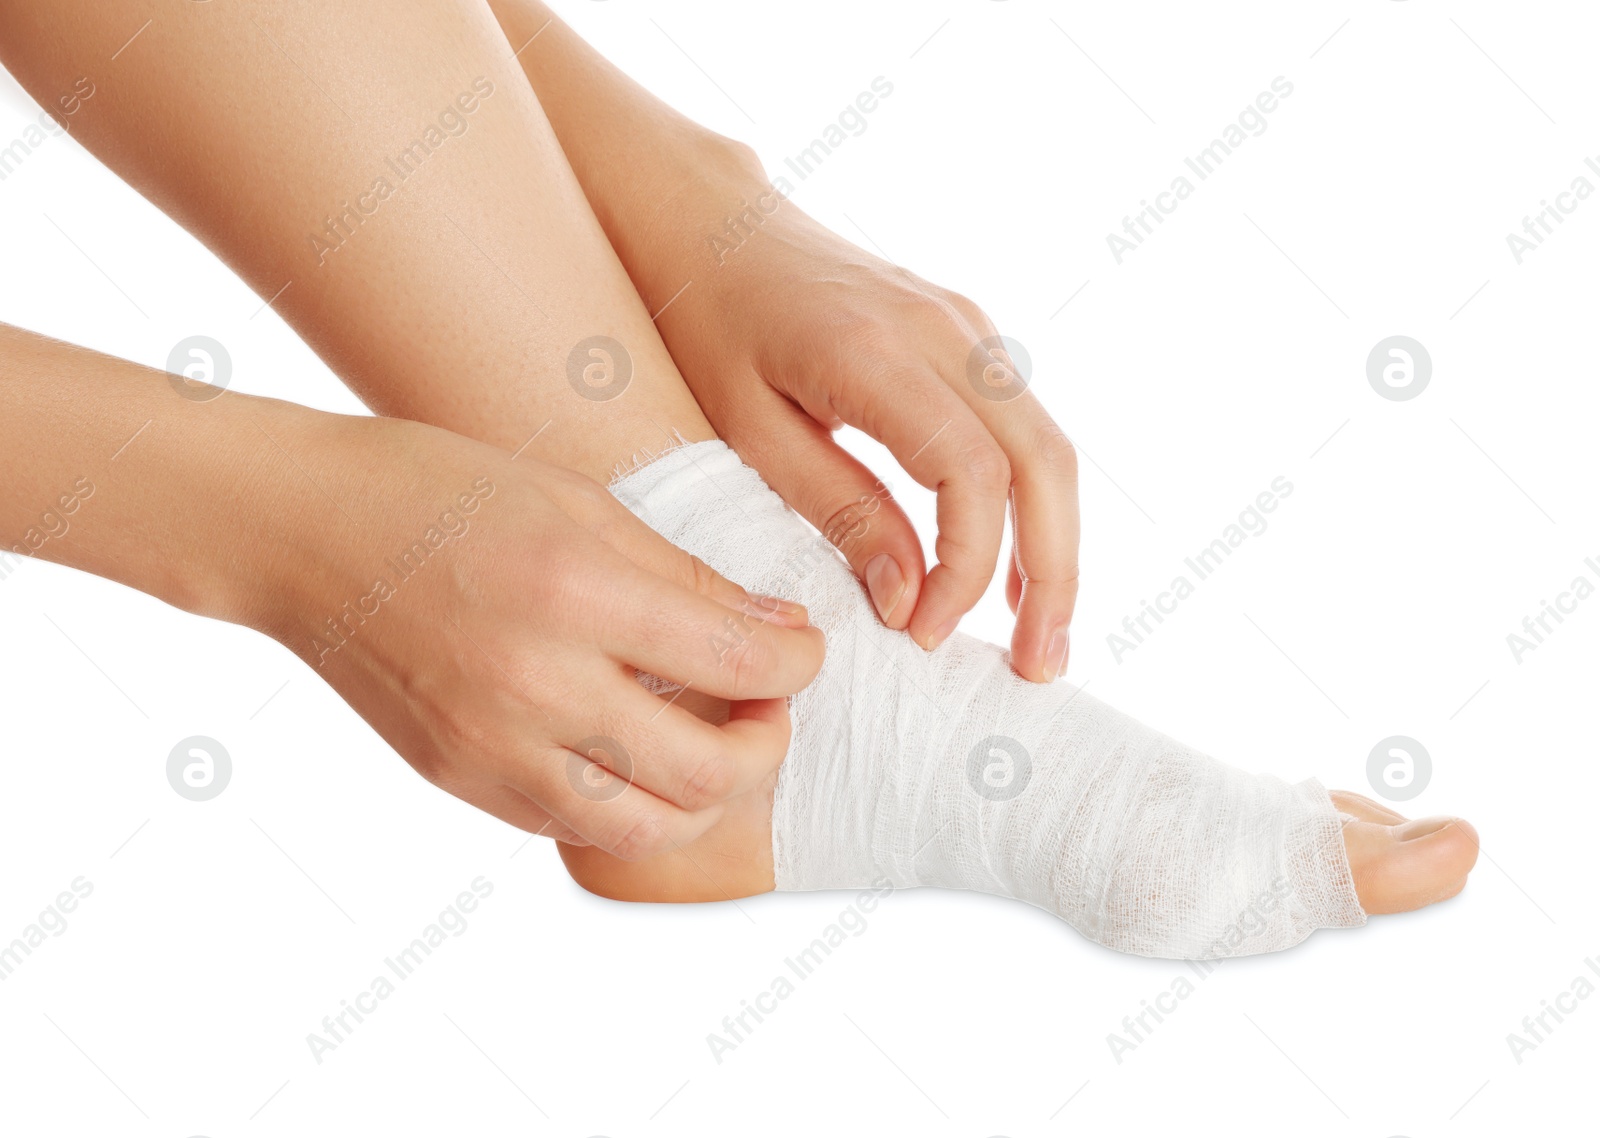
x=942, y=444
x=1045, y=548
x=1044, y=502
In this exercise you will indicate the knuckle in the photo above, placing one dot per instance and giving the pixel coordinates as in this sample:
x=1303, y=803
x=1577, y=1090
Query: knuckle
x=965, y=307
x=849, y=521
x=711, y=781
x=569, y=586
x=574, y=482
x=1055, y=451
x=434, y=767
x=857, y=333
x=640, y=838
x=577, y=495
x=557, y=576
x=887, y=342
x=929, y=304
x=986, y=467
x=460, y=739
x=592, y=505
x=886, y=358
x=747, y=665
x=701, y=577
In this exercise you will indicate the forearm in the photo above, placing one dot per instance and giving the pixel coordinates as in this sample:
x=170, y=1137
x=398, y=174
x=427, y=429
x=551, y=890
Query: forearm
x=661, y=184
x=105, y=467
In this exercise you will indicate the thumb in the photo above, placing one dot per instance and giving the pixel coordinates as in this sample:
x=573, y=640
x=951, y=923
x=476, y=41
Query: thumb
x=593, y=507
x=852, y=508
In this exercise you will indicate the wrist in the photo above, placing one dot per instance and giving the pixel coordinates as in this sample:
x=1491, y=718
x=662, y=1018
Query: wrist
x=371, y=501
x=288, y=477
x=198, y=498
x=695, y=206
x=235, y=491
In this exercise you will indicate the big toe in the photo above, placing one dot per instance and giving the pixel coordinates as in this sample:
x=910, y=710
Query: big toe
x=1410, y=864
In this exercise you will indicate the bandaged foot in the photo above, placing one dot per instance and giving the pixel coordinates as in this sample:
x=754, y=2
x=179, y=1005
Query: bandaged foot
x=946, y=769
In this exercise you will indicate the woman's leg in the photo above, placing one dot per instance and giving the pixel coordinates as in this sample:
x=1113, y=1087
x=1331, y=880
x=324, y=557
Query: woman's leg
x=385, y=176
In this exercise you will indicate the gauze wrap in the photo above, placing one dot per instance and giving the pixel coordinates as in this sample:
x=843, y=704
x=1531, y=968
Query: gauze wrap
x=946, y=769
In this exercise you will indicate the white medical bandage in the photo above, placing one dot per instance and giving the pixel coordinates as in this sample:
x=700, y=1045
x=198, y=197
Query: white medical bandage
x=947, y=769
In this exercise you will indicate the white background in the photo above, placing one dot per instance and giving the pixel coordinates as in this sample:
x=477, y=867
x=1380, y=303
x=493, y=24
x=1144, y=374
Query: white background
x=1230, y=349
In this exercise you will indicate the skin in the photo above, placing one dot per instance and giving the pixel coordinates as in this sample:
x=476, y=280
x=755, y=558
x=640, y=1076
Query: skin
x=490, y=665
x=798, y=332
x=457, y=302
x=453, y=309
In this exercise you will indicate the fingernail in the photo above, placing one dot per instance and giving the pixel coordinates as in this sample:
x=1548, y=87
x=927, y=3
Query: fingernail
x=769, y=607
x=1055, y=655
x=941, y=634
x=885, y=584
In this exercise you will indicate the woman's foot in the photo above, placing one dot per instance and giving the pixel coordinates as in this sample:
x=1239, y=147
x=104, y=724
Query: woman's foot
x=943, y=768
x=1397, y=864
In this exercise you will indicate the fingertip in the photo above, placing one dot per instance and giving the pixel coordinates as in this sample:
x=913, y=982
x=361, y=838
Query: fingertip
x=946, y=597
x=757, y=734
x=1040, y=657
x=776, y=610
x=773, y=711
x=1027, y=660
x=888, y=585
x=697, y=823
x=767, y=662
x=807, y=645
x=884, y=552
x=1042, y=640
x=938, y=635
x=927, y=617
x=1056, y=653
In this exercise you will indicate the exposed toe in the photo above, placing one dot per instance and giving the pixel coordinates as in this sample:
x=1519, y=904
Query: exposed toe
x=1407, y=865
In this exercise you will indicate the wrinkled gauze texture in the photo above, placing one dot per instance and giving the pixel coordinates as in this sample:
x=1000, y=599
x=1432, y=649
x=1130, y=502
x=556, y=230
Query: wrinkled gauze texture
x=945, y=769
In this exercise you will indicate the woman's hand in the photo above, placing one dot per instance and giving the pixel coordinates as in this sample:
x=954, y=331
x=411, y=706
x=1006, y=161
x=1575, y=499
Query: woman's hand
x=793, y=331
x=486, y=616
